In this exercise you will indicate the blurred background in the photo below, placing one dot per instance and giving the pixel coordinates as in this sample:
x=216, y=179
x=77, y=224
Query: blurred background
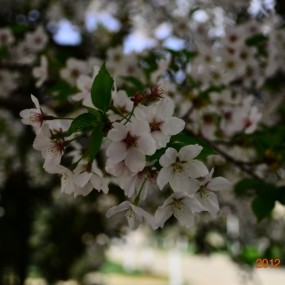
x=50, y=238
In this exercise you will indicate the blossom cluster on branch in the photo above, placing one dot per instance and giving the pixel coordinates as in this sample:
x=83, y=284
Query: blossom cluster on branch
x=132, y=141
x=152, y=122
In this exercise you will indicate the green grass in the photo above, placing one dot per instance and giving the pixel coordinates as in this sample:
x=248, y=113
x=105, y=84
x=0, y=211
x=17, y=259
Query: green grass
x=111, y=267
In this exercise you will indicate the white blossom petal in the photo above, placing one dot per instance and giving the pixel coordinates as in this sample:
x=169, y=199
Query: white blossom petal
x=139, y=127
x=165, y=108
x=118, y=133
x=83, y=191
x=180, y=182
x=172, y=126
x=51, y=162
x=135, y=160
x=99, y=183
x=163, y=177
x=168, y=158
x=146, y=144
x=210, y=203
x=189, y=152
x=143, y=113
x=124, y=206
x=184, y=217
x=42, y=143
x=141, y=212
x=196, y=168
x=194, y=205
x=82, y=179
x=193, y=186
x=161, y=140
x=219, y=184
x=36, y=102
x=116, y=152
x=133, y=219
x=162, y=214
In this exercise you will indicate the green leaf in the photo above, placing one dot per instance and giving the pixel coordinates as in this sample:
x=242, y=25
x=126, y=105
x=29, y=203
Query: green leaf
x=84, y=122
x=262, y=207
x=95, y=142
x=101, y=91
x=249, y=254
x=255, y=40
x=281, y=195
x=3, y=52
x=135, y=82
x=245, y=186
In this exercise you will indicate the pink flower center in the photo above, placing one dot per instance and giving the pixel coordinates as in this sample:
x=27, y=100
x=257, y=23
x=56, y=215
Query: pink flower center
x=155, y=125
x=204, y=192
x=228, y=116
x=178, y=205
x=208, y=119
x=56, y=147
x=36, y=117
x=178, y=165
x=247, y=123
x=130, y=140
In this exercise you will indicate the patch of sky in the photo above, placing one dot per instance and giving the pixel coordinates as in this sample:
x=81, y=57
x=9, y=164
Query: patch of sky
x=261, y=7
x=67, y=34
x=137, y=42
x=174, y=43
x=163, y=31
x=105, y=19
x=200, y=16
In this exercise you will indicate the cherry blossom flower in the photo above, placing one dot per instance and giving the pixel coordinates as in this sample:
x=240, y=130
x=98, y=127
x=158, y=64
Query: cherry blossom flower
x=130, y=143
x=235, y=38
x=6, y=37
x=78, y=183
x=140, y=183
x=24, y=54
x=249, y=115
x=8, y=83
x=182, y=206
x=180, y=169
x=35, y=116
x=201, y=120
x=68, y=185
x=89, y=178
x=120, y=64
x=84, y=84
x=41, y=72
x=51, y=150
x=122, y=105
x=74, y=68
x=133, y=184
x=133, y=213
x=37, y=40
x=206, y=194
x=161, y=121
x=119, y=169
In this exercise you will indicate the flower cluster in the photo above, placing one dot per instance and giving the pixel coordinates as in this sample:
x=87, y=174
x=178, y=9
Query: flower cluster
x=152, y=141
x=141, y=156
